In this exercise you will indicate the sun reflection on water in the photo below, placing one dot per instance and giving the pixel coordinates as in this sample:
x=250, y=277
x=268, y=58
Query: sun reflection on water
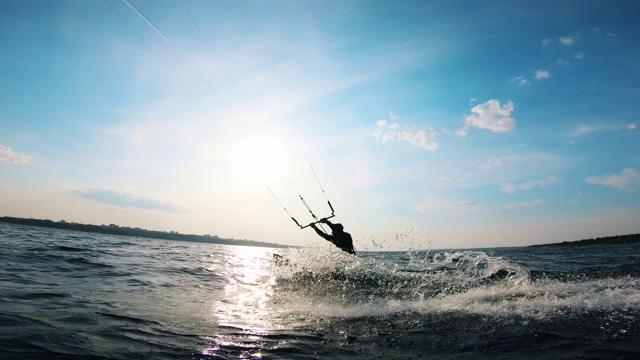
x=263, y=302
x=244, y=313
x=248, y=290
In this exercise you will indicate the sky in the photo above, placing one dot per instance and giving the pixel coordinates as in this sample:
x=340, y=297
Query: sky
x=426, y=124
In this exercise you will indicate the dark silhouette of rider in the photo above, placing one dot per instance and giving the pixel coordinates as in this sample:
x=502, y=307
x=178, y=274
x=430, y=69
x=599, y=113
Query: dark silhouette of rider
x=338, y=237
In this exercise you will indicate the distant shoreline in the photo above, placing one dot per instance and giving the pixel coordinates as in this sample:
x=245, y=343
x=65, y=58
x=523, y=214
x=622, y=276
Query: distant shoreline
x=608, y=240
x=113, y=229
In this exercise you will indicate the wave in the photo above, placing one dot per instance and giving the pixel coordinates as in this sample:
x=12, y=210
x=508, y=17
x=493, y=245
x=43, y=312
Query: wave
x=590, y=273
x=69, y=248
x=414, y=276
x=314, y=281
x=81, y=260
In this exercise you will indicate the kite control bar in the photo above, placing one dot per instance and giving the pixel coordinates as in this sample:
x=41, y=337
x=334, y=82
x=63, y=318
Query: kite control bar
x=307, y=206
x=315, y=222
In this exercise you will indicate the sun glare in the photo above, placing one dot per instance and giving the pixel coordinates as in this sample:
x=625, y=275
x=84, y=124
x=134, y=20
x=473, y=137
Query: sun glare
x=260, y=158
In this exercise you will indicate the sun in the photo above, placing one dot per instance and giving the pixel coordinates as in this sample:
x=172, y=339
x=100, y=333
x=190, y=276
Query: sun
x=260, y=158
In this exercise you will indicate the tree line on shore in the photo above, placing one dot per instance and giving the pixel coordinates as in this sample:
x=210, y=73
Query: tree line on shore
x=610, y=240
x=113, y=229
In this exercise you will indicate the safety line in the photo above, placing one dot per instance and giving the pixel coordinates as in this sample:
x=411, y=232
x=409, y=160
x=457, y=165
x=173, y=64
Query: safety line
x=219, y=62
x=143, y=17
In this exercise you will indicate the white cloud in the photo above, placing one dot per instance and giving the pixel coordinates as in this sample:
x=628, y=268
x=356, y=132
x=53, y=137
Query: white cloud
x=512, y=188
x=8, y=155
x=520, y=80
x=631, y=126
x=541, y=74
x=491, y=116
x=546, y=42
x=627, y=179
x=567, y=40
x=424, y=138
x=462, y=132
x=563, y=63
x=579, y=55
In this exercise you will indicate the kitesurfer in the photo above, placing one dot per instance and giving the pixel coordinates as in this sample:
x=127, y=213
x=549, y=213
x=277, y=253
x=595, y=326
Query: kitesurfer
x=338, y=236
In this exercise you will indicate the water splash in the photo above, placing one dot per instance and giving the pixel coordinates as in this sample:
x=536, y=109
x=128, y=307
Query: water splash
x=323, y=275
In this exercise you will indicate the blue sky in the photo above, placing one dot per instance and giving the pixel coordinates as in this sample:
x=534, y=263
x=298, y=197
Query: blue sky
x=446, y=124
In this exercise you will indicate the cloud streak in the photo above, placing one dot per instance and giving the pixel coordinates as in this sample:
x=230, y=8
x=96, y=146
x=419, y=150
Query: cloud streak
x=585, y=129
x=121, y=199
x=526, y=204
x=625, y=180
x=8, y=155
x=512, y=188
x=520, y=80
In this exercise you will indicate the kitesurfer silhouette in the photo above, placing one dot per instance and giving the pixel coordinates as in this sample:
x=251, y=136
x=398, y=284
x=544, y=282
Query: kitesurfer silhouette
x=338, y=236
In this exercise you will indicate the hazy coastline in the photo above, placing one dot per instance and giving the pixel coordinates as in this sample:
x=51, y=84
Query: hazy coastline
x=113, y=229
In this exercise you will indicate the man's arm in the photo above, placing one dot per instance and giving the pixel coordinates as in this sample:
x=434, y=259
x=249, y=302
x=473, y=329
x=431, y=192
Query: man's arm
x=321, y=233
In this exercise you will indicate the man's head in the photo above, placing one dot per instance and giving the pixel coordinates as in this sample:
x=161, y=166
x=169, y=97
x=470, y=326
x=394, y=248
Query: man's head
x=339, y=227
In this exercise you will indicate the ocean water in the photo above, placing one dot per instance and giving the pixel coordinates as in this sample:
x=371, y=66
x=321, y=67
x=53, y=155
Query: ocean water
x=74, y=295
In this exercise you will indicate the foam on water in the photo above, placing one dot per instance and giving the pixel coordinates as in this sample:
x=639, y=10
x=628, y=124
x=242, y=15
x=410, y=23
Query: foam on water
x=541, y=300
x=322, y=282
